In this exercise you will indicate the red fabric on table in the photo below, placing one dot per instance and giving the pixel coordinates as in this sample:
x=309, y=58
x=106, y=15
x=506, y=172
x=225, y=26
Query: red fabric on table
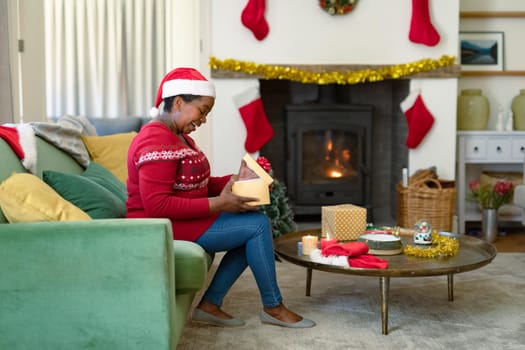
x=345, y=249
x=328, y=242
x=368, y=261
x=356, y=253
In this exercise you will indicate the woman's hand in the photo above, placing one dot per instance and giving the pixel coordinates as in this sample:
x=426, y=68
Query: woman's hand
x=230, y=202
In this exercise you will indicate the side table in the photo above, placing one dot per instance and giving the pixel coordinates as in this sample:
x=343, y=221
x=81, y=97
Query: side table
x=484, y=150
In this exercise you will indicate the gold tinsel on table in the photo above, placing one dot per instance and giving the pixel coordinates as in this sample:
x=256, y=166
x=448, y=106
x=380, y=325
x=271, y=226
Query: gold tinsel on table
x=331, y=77
x=442, y=246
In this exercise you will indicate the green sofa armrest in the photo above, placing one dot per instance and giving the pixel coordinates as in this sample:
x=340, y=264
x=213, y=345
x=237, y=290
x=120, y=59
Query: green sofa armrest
x=101, y=284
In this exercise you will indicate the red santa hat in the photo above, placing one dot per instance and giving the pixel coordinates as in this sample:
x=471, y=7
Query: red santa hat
x=22, y=140
x=182, y=81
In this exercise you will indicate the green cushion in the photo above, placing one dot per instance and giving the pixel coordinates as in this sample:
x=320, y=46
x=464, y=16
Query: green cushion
x=106, y=179
x=95, y=200
x=10, y=164
x=191, y=266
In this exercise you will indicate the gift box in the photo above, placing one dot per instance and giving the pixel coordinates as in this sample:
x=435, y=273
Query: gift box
x=345, y=222
x=256, y=188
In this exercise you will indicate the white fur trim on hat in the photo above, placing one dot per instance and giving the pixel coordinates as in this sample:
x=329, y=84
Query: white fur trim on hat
x=154, y=112
x=191, y=87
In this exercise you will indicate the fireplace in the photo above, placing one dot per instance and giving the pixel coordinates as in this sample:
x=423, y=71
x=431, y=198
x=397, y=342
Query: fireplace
x=375, y=103
x=329, y=158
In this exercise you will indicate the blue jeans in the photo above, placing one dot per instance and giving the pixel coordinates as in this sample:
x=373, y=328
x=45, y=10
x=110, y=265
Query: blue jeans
x=248, y=241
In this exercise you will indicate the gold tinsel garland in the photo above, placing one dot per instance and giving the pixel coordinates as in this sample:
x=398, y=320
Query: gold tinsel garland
x=442, y=246
x=349, y=77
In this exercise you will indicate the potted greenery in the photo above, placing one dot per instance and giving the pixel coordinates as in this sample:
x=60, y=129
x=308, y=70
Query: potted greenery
x=279, y=210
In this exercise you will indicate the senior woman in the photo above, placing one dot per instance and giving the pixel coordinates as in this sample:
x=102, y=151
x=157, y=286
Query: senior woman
x=170, y=177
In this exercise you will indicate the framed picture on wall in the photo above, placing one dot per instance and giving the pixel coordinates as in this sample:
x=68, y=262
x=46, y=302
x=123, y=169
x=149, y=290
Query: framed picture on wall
x=481, y=51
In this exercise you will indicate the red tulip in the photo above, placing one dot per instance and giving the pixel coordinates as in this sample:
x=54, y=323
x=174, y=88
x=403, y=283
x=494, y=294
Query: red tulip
x=503, y=187
x=474, y=185
x=491, y=196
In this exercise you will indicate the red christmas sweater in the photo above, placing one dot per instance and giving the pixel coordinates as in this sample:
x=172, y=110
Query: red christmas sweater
x=169, y=179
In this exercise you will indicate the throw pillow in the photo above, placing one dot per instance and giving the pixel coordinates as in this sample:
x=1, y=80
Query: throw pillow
x=111, y=152
x=26, y=198
x=95, y=200
x=106, y=179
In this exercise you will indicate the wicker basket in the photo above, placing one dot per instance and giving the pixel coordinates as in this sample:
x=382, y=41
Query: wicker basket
x=430, y=199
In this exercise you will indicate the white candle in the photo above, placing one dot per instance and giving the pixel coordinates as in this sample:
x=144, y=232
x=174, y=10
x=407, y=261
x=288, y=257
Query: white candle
x=309, y=244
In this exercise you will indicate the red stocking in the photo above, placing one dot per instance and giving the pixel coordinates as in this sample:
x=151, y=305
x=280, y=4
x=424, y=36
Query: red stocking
x=252, y=17
x=258, y=129
x=421, y=29
x=418, y=117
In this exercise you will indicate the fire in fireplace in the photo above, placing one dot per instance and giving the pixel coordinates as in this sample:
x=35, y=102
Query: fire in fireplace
x=329, y=155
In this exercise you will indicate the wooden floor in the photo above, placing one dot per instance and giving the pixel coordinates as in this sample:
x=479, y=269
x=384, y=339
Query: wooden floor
x=511, y=237
x=512, y=241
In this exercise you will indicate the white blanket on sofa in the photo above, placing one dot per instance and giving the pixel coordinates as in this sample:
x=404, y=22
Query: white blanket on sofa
x=66, y=134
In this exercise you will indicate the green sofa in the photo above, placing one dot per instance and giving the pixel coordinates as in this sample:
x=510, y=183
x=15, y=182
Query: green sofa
x=99, y=284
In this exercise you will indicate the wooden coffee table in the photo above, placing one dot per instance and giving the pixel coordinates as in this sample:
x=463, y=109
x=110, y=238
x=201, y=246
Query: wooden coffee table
x=473, y=253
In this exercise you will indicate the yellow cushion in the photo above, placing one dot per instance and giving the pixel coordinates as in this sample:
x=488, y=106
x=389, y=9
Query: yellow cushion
x=111, y=152
x=26, y=198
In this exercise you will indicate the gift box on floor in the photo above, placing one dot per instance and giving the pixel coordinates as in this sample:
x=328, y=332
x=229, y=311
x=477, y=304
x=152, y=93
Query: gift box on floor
x=345, y=222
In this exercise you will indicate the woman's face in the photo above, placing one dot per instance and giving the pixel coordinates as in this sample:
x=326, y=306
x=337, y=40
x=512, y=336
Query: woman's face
x=190, y=115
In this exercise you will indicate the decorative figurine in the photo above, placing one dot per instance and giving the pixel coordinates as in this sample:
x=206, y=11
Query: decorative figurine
x=500, y=123
x=510, y=120
x=422, y=232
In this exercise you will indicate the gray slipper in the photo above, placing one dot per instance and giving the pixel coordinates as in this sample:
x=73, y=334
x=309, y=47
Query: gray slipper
x=202, y=316
x=304, y=323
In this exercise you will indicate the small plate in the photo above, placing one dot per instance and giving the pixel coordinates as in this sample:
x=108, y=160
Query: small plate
x=448, y=234
x=382, y=244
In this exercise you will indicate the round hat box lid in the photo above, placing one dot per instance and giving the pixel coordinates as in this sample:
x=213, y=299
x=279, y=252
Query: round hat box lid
x=381, y=243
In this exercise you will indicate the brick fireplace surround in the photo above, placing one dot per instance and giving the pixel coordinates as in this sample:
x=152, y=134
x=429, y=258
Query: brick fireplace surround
x=389, y=130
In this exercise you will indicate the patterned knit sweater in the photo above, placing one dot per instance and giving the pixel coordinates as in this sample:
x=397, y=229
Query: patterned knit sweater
x=169, y=179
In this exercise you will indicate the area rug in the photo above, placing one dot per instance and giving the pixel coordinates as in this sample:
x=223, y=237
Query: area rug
x=488, y=312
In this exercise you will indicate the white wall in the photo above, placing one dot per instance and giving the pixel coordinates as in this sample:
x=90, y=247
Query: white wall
x=500, y=90
x=185, y=47
x=300, y=32
x=376, y=32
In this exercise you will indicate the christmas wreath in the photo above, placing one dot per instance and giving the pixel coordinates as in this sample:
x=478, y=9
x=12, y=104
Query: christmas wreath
x=337, y=7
